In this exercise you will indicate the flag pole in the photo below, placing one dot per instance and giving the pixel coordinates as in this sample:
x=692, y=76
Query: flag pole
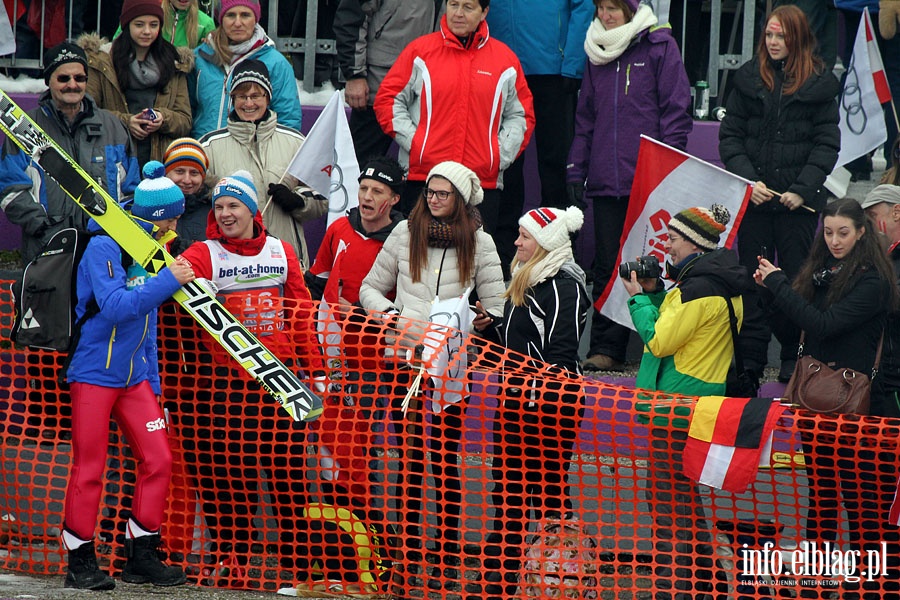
x=804, y=206
x=894, y=112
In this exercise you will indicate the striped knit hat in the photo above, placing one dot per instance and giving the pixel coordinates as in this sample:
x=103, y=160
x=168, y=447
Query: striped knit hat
x=239, y=185
x=701, y=226
x=186, y=152
x=157, y=198
x=252, y=71
x=551, y=227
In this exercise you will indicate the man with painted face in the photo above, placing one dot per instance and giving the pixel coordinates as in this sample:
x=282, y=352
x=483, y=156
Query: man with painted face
x=362, y=233
x=93, y=137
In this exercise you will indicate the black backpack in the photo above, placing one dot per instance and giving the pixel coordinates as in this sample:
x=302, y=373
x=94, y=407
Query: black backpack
x=45, y=298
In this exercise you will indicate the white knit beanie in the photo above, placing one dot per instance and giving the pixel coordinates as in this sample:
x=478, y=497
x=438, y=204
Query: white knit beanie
x=463, y=179
x=551, y=226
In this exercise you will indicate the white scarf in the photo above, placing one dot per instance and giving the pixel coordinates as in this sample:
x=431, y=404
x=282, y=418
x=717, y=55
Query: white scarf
x=241, y=50
x=549, y=266
x=604, y=46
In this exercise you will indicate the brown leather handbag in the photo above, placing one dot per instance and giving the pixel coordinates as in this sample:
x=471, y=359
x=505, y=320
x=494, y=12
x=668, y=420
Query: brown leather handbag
x=819, y=388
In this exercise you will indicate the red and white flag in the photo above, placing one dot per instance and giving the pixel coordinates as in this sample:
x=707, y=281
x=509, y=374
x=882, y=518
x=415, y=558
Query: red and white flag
x=666, y=182
x=865, y=89
x=326, y=161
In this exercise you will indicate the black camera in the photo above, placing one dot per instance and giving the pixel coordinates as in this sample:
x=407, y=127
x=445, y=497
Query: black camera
x=646, y=267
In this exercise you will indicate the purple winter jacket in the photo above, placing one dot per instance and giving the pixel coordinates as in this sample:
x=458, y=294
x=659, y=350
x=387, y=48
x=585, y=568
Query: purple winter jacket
x=644, y=91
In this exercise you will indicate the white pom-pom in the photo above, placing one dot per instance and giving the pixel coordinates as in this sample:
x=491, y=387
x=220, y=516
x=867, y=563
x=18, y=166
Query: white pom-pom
x=574, y=219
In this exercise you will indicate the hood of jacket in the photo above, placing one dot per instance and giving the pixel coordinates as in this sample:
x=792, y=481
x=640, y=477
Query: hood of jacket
x=820, y=87
x=477, y=39
x=92, y=43
x=715, y=273
x=380, y=235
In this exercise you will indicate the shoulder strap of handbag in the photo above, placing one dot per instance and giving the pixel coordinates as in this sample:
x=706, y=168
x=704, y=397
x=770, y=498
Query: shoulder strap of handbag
x=877, y=352
x=732, y=321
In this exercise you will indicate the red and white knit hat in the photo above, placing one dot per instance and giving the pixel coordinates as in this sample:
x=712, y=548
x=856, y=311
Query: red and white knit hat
x=551, y=226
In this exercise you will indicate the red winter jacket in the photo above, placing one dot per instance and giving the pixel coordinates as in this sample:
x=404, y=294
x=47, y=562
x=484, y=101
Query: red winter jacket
x=445, y=101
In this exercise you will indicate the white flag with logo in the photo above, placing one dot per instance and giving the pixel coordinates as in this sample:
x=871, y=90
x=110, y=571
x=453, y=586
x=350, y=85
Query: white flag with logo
x=865, y=90
x=667, y=181
x=444, y=349
x=326, y=161
x=7, y=39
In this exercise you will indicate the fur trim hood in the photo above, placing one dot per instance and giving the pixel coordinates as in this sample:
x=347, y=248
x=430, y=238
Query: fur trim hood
x=93, y=44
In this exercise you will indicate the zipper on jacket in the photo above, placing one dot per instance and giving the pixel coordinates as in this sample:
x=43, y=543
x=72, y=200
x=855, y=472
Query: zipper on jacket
x=109, y=347
x=615, y=128
x=139, y=344
x=175, y=27
x=627, y=78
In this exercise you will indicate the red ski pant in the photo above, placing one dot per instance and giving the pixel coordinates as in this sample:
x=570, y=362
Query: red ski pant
x=140, y=417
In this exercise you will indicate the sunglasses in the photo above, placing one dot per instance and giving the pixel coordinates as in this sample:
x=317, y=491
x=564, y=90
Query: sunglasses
x=66, y=78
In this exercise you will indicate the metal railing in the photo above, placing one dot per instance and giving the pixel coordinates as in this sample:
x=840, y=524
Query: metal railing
x=310, y=45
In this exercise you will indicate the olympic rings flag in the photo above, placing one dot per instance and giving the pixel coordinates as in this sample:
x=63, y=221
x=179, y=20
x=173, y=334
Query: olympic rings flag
x=865, y=90
x=326, y=161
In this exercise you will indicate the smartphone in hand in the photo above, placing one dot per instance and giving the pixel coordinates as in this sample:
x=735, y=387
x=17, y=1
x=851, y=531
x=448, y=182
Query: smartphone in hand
x=148, y=114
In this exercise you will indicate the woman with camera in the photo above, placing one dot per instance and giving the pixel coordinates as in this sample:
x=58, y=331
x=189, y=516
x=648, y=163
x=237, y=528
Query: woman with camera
x=543, y=318
x=142, y=79
x=840, y=300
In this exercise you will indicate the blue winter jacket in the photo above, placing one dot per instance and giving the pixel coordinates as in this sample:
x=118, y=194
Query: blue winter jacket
x=546, y=35
x=211, y=101
x=117, y=348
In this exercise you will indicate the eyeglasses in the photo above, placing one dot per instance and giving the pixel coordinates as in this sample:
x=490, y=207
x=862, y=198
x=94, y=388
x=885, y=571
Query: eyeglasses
x=66, y=78
x=675, y=238
x=250, y=98
x=442, y=195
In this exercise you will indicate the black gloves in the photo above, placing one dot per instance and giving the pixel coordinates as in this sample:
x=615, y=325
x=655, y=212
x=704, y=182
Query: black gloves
x=285, y=198
x=575, y=193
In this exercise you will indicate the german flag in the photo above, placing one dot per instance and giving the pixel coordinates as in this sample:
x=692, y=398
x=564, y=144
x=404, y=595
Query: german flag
x=728, y=439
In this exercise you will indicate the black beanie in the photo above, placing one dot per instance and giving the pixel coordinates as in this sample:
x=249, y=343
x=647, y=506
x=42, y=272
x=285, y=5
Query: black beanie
x=59, y=55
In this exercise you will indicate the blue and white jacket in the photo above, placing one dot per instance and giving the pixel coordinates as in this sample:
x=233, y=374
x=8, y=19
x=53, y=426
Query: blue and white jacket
x=118, y=348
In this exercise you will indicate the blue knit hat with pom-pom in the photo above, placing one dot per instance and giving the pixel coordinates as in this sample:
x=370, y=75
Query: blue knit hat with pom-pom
x=157, y=198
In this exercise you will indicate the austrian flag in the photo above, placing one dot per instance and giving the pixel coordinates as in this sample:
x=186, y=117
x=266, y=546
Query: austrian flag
x=729, y=439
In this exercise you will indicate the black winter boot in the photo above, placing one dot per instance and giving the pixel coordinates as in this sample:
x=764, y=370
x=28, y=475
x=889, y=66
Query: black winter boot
x=144, y=564
x=84, y=573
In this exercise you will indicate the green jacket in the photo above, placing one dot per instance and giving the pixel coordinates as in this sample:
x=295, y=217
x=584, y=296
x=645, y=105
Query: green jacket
x=176, y=33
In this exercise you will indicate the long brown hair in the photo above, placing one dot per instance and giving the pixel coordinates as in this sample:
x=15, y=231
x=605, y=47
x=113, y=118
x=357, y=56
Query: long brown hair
x=222, y=53
x=867, y=253
x=463, y=223
x=802, y=61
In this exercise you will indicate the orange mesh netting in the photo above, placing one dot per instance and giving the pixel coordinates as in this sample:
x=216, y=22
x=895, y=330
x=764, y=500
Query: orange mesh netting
x=499, y=478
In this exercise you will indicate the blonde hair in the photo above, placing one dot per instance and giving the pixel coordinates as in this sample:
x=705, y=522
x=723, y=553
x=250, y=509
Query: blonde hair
x=191, y=24
x=522, y=276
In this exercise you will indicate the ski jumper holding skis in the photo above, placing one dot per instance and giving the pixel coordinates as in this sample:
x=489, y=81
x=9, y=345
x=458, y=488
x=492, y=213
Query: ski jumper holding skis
x=115, y=372
x=258, y=277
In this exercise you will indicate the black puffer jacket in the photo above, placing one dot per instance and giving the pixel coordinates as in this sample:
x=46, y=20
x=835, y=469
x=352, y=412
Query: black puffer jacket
x=845, y=333
x=790, y=143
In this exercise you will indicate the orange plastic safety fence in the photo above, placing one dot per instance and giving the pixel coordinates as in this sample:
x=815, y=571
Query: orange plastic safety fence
x=444, y=467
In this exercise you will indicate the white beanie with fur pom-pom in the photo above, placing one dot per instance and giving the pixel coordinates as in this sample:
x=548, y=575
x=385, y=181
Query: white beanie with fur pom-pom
x=551, y=226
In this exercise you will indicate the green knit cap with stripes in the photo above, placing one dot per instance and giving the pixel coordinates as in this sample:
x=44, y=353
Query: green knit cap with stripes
x=701, y=226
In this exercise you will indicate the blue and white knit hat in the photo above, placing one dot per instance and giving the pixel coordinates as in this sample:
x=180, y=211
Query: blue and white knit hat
x=157, y=198
x=239, y=185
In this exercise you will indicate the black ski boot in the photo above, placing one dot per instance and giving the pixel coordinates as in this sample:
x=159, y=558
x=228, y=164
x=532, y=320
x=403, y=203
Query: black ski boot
x=84, y=573
x=144, y=564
